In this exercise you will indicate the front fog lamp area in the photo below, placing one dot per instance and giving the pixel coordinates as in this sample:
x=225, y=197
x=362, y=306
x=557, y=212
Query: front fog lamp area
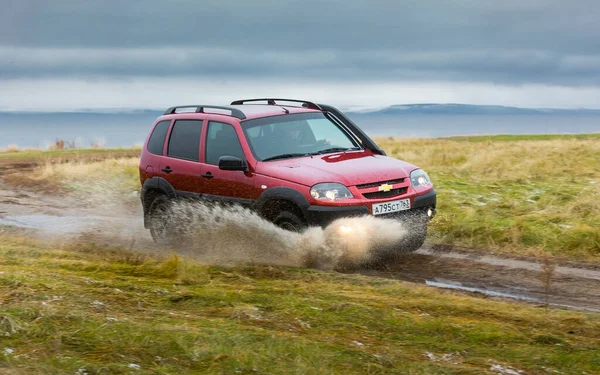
x=330, y=191
x=418, y=177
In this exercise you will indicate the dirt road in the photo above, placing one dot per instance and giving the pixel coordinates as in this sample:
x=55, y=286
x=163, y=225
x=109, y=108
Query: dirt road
x=575, y=286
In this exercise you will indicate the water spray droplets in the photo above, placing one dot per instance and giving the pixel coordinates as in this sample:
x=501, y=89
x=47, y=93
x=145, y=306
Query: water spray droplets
x=233, y=235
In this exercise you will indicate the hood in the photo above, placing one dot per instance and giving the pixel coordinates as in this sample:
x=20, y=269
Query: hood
x=349, y=168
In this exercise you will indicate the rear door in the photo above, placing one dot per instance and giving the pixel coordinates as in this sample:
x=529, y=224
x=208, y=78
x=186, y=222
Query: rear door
x=222, y=139
x=155, y=146
x=181, y=166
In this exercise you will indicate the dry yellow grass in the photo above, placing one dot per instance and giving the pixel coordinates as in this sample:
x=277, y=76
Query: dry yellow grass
x=60, y=170
x=525, y=196
x=502, y=161
x=82, y=170
x=12, y=148
x=119, y=174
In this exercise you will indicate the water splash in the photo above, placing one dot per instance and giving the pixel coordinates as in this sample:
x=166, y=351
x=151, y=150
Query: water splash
x=103, y=213
x=226, y=235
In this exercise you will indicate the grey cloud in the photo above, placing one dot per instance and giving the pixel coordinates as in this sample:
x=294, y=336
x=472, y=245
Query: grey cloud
x=344, y=24
x=498, y=66
x=511, y=42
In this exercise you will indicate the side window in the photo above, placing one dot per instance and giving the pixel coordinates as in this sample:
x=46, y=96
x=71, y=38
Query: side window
x=157, y=139
x=222, y=140
x=184, y=142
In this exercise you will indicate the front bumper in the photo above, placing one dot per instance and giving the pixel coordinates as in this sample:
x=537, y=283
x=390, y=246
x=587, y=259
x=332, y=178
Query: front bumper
x=324, y=215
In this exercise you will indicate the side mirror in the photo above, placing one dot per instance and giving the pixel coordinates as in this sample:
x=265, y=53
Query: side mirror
x=232, y=163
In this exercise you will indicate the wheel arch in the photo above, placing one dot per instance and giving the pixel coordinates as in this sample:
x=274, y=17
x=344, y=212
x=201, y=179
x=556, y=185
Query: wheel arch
x=151, y=189
x=275, y=199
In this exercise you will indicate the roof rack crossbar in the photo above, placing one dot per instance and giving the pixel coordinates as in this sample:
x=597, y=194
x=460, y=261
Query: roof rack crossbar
x=272, y=101
x=200, y=109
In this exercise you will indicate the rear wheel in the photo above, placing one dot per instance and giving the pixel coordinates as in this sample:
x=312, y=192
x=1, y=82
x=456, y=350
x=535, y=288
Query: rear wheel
x=162, y=227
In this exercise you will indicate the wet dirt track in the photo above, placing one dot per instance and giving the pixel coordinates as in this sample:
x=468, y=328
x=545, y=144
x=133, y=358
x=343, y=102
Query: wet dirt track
x=498, y=277
x=575, y=287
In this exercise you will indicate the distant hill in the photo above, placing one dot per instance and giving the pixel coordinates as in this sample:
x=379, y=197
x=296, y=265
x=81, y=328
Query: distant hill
x=397, y=109
x=469, y=109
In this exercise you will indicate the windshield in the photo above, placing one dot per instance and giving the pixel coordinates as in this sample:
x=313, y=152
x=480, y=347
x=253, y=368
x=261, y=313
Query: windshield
x=295, y=135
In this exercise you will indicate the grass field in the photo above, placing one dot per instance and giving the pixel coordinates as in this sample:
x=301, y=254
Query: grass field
x=69, y=170
x=523, y=137
x=81, y=308
x=77, y=308
x=527, y=195
x=66, y=154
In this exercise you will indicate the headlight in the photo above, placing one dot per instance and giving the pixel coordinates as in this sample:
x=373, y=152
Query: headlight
x=330, y=191
x=418, y=177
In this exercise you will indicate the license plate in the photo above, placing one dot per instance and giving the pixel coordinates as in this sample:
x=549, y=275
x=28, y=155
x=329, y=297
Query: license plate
x=393, y=206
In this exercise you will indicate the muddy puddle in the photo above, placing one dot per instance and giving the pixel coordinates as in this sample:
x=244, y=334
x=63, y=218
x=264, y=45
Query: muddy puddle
x=487, y=276
x=64, y=225
x=484, y=291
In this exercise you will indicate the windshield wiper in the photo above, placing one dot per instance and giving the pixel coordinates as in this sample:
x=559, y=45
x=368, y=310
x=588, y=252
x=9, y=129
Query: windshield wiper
x=285, y=156
x=335, y=149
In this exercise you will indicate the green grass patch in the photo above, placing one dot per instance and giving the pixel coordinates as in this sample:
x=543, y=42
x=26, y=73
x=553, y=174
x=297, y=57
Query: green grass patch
x=69, y=153
x=521, y=137
x=96, y=310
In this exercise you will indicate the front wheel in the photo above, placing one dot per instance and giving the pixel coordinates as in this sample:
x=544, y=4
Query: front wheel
x=289, y=221
x=412, y=242
x=416, y=227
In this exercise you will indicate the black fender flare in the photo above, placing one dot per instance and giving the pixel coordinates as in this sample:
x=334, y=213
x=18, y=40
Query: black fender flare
x=160, y=184
x=282, y=193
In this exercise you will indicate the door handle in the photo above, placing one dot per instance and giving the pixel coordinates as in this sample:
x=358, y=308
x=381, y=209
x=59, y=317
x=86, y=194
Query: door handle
x=207, y=175
x=167, y=169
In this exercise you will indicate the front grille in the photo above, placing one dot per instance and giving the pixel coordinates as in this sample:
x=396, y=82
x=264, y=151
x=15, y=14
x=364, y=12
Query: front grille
x=375, y=184
x=386, y=194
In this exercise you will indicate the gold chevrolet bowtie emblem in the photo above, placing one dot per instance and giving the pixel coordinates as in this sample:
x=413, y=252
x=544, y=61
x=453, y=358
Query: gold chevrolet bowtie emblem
x=385, y=187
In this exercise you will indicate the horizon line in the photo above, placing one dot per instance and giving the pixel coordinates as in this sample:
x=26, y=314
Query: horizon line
x=352, y=109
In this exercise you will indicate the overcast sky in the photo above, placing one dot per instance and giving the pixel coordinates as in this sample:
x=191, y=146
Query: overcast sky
x=72, y=54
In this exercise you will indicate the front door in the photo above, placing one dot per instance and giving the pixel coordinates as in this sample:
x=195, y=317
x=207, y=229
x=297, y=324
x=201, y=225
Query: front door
x=222, y=140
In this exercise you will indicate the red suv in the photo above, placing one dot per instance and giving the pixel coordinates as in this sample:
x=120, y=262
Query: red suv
x=297, y=165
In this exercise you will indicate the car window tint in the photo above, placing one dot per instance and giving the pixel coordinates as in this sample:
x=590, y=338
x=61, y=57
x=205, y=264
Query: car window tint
x=156, y=142
x=325, y=129
x=184, y=142
x=302, y=133
x=222, y=140
x=253, y=132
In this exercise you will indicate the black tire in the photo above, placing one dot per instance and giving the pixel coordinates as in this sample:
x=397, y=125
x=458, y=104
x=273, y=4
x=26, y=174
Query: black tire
x=409, y=244
x=413, y=241
x=162, y=227
x=417, y=232
x=289, y=221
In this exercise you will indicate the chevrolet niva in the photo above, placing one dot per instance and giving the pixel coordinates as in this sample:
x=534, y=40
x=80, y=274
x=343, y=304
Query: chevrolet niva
x=295, y=163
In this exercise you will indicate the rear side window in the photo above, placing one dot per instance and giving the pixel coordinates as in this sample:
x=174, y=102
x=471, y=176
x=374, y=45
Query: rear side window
x=184, y=142
x=157, y=139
